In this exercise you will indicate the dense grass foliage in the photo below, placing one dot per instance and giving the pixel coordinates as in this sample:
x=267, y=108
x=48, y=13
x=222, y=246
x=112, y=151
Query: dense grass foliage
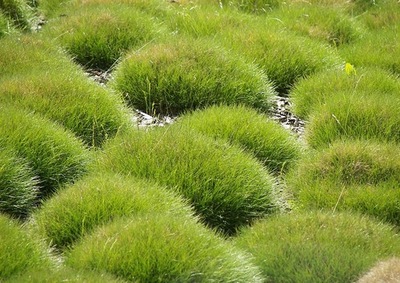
x=254, y=132
x=360, y=176
x=18, y=251
x=318, y=247
x=18, y=185
x=19, y=12
x=326, y=24
x=5, y=26
x=55, y=155
x=96, y=200
x=64, y=274
x=227, y=187
x=91, y=112
x=161, y=248
x=284, y=56
x=355, y=117
x=98, y=35
x=185, y=74
x=384, y=271
x=315, y=90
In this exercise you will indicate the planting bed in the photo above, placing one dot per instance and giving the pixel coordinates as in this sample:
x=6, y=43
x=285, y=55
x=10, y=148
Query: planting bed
x=199, y=141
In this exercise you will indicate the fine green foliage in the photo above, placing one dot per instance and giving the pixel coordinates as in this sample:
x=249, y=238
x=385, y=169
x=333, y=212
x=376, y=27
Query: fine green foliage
x=18, y=251
x=360, y=176
x=18, y=185
x=315, y=90
x=355, y=117
x=63, y=274
x=161, y=248
x=90, y=111
x=285, y=57
x=19, y=12
x=186, y=74
x=96, y=200
x=5, y=26
x=376, y=49
x=267, y=140
x=55, y=155
x=227, y=187
x=98, y=35
x=252, y=6
x=318, y=247
x=379, y=13
x=320, y=22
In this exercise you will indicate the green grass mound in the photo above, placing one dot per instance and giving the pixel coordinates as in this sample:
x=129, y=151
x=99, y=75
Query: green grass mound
x=253, y=7
x=384, y=271
x=227, y=187
x=285, y=57
x=96, y=200
x=315, y=90
x=18, y=185
x=318, y=247
x=355, y=117
x=360, y=176
x=267, y=140
x=379, y=14
x=161, y=248
x=18, y=252
x=98, y=35
x=55, y=155
x=376, y=49
x=320, y=22
x=185, y=74
x=91, y=112
x=63, y=274
x=19, y=12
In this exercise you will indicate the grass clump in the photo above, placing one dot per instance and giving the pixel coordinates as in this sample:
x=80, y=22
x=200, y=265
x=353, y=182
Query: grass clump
x=99, y=199
x=384, y=271
x=18, y=185
x=268, y=141
x=67, y=97
x=284, y=56
x=19, y=12
x=18, y=251
x=161, y=248
x=185, y=74
x=314, y=91
x=98, y=35
x=355, y=117
x=354, y=175
x=6, y=27
x=55, y=156
x=227, y=187
x=318, y=247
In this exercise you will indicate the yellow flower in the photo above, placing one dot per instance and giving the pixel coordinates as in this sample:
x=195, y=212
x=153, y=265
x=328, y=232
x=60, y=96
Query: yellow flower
x=349, y=69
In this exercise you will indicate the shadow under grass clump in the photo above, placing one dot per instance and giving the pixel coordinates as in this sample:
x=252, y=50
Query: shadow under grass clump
x=98, y=35
x=283, y=56
x=18, y=185
x=265, y=139
x=353, y=175
x=355, y=117
x=63, y=274
x=186, y=74
x=318, y=247
x=55, y=155
x=161, y=248
x=67, y=97
x=18, y=251
x=314, y=91
x=226, y=187
x=19, y=12
x=321, y=22
x=96, y=200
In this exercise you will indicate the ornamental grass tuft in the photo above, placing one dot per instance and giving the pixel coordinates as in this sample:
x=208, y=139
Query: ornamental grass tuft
x=161, y=248
x=98, y=199
x=186, y=74
x=18, y=185
x=256, y=133
x=19, y=12
x=54, y=154
x=227, y=187
x=318, y=247
x=361, y=176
